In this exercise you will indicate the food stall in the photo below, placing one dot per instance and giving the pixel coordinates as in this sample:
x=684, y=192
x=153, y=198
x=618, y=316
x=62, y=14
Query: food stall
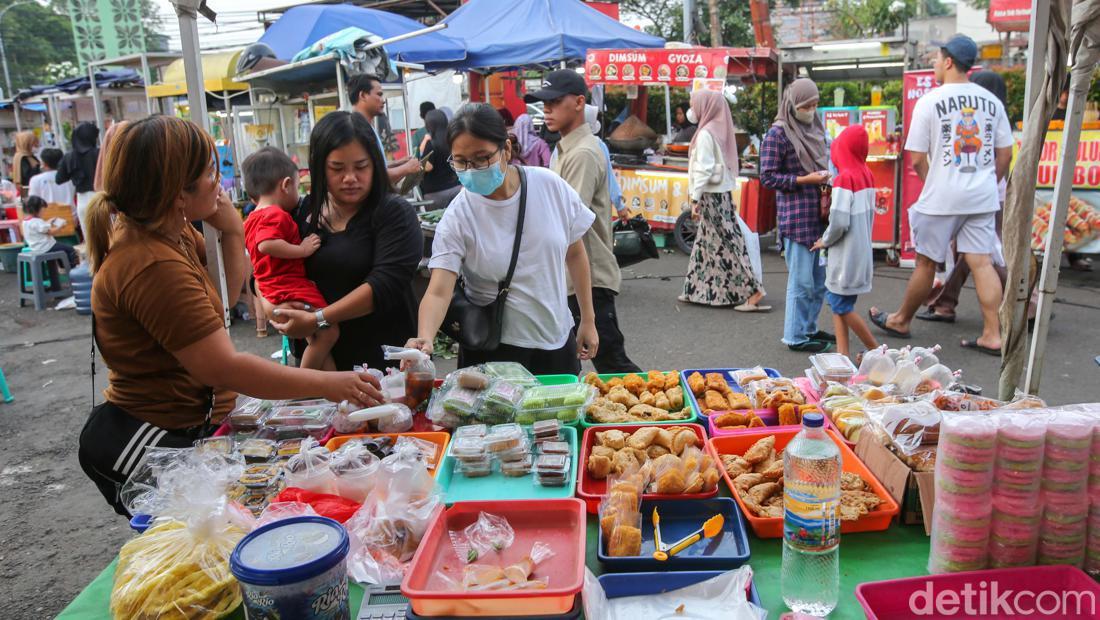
x=656, y=184
x=1082, y=234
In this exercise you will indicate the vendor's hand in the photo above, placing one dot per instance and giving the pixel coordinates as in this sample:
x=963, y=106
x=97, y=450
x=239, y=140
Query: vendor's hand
x=818, y=245
x=407, y=167
x=814, y=178
x=588, y=340
x=225, y=218
x=696, y=212
x=359, y=389
x=423, y=345
x=294, y=323
x=310, y=245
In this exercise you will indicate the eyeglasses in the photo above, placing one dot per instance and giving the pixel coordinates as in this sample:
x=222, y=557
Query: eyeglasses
x=477, y=164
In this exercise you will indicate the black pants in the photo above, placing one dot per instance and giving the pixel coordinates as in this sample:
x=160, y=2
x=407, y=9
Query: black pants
x=611, y=357
x=562, y=361
x=113, y=444
x=70, y=252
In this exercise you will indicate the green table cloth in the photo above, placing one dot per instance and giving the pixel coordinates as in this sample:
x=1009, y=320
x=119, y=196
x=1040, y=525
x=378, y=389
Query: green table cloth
x=901, y=551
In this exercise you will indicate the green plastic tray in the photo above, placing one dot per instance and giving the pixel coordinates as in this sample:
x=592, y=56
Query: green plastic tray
x=557, y=379
x=584, y=423
x=497, y=486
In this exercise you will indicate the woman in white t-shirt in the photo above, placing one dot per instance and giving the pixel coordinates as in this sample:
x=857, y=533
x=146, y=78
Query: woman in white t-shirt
x=475, y=237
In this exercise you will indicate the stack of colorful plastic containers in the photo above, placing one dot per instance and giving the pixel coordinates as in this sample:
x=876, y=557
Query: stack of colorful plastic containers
x=1017, y=508
x=964, y=494
x=1064, y=528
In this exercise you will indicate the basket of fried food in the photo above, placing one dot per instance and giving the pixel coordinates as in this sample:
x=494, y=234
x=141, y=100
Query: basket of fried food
x=752, y=465
x=712, y=393
x=637, y=399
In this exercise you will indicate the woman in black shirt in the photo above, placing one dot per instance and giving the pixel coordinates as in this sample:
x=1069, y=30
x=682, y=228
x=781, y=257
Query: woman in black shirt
x=371, y=245
x=440, y=184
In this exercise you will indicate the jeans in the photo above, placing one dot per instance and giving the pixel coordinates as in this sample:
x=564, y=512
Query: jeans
x=805, y=292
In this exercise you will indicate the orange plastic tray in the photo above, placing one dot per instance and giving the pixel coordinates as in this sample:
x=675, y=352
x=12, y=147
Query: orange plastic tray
x=773, y=527
x=437, y=437
x=592, y=490
x=560, y=523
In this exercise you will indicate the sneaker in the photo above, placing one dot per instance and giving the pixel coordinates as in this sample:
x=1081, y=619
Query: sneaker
x=823, y=336
x=811, y=346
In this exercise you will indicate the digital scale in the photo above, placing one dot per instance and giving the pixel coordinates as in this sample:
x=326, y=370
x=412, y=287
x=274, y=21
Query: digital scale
x=383, y=603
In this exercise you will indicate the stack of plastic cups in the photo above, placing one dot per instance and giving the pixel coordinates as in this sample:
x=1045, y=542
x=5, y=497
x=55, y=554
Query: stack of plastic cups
x=1092, y=551
x=1017, y=509
x=1064, y=528
x=964, y=495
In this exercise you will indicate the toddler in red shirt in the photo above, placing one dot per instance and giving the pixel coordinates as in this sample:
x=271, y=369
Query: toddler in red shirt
x=277, y=249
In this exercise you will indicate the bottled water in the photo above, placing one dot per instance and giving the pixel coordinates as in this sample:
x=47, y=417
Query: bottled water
x=811, y=521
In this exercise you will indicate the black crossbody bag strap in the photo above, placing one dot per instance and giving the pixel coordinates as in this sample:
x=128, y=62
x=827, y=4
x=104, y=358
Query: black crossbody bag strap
x=502, y=293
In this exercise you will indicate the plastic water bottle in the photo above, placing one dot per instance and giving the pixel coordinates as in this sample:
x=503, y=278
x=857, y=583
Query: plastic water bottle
x=811, y=520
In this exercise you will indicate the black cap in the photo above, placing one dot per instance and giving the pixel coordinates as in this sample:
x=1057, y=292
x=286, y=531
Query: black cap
x=558, y=84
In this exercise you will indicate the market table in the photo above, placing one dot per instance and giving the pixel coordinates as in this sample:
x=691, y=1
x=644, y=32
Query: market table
x=901, y=551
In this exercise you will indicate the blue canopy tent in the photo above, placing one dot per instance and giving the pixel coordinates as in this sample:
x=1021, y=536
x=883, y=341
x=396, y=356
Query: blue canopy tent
x=510, y=34
x=303, y=26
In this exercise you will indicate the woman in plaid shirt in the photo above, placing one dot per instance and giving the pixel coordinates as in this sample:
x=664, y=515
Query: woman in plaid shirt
x=794, y=162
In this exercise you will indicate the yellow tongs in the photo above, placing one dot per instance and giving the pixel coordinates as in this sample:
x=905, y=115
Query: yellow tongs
x=711, y=528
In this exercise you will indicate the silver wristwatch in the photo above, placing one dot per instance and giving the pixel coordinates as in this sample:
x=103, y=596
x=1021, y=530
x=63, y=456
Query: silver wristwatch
x=321, y=322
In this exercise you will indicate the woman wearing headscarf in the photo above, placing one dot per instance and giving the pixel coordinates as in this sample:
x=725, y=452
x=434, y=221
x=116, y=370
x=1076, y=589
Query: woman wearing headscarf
x=719, y=271
x=794, y=161
x=533, y=149
x=25, y=165
x=440, y=184
x=79, y=166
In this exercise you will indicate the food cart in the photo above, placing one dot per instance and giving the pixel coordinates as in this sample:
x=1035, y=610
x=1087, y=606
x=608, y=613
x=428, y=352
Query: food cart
x=657, y=186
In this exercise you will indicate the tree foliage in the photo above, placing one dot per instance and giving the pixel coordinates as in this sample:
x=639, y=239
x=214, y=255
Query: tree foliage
x=35, y=37
x=865, y=19
x=667, y=20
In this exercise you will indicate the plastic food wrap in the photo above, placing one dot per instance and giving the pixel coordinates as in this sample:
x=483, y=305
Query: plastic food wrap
x=720, y=598
x=964, y=477
x=470, y=378
x=481, y=539
x=565, y=403
x=249, y=413
x=511, y=372
x=419, y=373
x=772, y=392
x=452, y=406
x=355, y=470
x=309, y=469
x=180, y=566
x=429, y=452
x=518, y=576
x=745, y=376
x=908, y=426
x=499, y=402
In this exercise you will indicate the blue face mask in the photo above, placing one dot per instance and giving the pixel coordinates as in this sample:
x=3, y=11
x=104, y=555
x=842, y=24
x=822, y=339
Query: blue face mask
x=482, y=182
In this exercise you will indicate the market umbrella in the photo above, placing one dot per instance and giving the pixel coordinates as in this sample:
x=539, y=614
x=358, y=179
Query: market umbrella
x=1081, y=46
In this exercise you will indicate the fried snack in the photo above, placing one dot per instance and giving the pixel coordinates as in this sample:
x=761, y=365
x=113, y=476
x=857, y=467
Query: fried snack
x=744, y=482
x=714, y=401
x=804, y=409
x=710, y=479
x=669, y=476
x=655, y=381
x=675, y=397
x=761, y=450
x=663, y=439
x=647, y=398
x=697, y=384
x=623, y=460
x=594, y=379
x=851, y=482
x=773, y=472
x=789, y=414
x=732, y=419
x=761, y=492
x=604, y=411
x=655, y=451
x=614, y=439
x=599, y=466
x=851, y=513
x=869, y=501
x=661, y=401
x=690, y=459
x=625, y=540
x=622, y=396
x=614, y=383
x=735, y=465
x=716, y=382
x=672, y=378
x=771, y=512
x=737, y=400
x=694, y=483
x=634, y=384
x=683, y=438
x=768, y=461
x=643, y=437
x=756, y=422
x=602, y=451
x=648, y=413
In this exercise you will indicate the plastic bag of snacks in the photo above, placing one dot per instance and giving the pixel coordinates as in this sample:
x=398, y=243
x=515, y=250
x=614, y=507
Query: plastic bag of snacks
x=355, y=470
x=489, y=534
x=179, y=568
x=309, y=469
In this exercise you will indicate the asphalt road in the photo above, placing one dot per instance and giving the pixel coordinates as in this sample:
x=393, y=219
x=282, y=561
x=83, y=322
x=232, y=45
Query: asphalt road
x=58, y=533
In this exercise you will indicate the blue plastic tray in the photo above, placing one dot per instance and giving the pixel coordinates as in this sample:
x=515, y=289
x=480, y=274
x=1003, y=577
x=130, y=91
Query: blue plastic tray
x=616, y=585
x=679, y=518
x=497, y=486
x=574, y=614
x=690, y=396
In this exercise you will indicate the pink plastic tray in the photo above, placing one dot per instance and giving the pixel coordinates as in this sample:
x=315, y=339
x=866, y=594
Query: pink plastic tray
x=770, y=418
x=1045, y=587
x=559, y=523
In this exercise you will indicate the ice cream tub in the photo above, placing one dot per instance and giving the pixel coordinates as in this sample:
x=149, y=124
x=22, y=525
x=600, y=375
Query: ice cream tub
x=294, y=568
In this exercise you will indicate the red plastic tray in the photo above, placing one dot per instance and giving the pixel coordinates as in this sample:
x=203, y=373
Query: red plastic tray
x=592, y=490
x=773, y=527
x=771, y=422
x=1045, y=587
x=559, y=523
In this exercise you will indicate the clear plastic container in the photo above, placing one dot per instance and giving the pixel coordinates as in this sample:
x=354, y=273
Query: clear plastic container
x=833, y=367
x=546, y=430
x=300, y=415
x=475, y=469
x=552, y=470
x=499, y=402
x=460, y=401
x=256, y=450
x=249, y=414
x=517, y=468
x=555, y=447
x=468, y=448
x=356, y=472
x=565, y=403
x=471, y=430
x=294, y=568
x=259, y=476
x=470, y=378
x=517, y=453
x=511, y=372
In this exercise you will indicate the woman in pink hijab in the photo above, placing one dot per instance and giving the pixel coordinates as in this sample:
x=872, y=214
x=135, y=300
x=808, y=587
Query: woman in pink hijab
x=719, y=271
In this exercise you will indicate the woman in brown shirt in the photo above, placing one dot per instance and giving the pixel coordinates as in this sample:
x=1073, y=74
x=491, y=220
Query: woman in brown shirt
x=157, y=318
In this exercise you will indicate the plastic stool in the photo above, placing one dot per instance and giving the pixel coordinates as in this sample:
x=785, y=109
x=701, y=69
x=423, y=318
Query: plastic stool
x=25, y=275
x=34, y=264
x=4, y=391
